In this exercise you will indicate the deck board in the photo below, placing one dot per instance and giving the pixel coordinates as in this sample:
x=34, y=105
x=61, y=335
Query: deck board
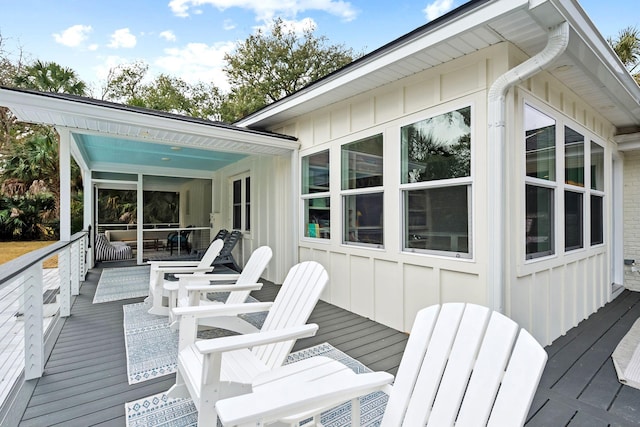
x=85, y=381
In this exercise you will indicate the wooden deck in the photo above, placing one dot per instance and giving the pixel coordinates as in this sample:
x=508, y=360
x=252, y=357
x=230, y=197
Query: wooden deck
x=85, y=380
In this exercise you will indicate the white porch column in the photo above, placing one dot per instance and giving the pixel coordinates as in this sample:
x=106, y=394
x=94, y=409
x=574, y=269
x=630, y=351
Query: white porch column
x=88, y=213
x=33, y=329
x=64, y=154
x=140, y=219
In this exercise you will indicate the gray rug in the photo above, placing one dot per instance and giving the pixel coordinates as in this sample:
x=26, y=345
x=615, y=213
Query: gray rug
x=151, y=345
x=162, y=410
x=122, y=283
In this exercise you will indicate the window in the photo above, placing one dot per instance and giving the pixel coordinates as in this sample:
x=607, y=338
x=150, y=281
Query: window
x=573, y=199
x=580, y=200
x=436, y=183
x=597, y=194
x=540, y=146
x=315, y=193
x=362, y=191
x=241, y=203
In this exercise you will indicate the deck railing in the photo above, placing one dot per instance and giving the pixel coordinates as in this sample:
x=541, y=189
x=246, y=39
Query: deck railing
x=32, y=303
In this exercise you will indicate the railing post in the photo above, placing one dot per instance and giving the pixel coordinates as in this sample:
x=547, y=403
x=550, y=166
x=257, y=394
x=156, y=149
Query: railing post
x=65, y=282
x=33, y=329
x=75, y=268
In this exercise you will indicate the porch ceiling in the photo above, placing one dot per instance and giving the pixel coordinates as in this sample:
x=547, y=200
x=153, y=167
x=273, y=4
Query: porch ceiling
x=589, y=66
x=112, y=137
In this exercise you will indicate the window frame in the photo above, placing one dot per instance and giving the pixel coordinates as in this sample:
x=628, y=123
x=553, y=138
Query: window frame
x=364, y=190
x=465, y=181
x=244, y=204
x=308, y=200
x=562, y=186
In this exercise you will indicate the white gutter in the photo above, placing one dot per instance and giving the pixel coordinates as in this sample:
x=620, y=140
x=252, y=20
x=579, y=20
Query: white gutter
x=558, y=39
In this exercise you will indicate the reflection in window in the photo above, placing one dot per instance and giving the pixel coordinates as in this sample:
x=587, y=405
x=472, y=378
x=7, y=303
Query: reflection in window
x=363, y=218
x=573, y=228
x=540, y=144
x=437, y=148
x=438, y=219
x=573, y=157
x=597, y=167
x=362, y=163
x=362, y=179
x=315, y=184
x=597, y=220
x=539, y=228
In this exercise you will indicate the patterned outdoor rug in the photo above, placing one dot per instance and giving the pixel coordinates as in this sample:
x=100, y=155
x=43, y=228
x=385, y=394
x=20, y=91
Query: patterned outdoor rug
x=151, y=345
x=122, y=283
x=162, y=410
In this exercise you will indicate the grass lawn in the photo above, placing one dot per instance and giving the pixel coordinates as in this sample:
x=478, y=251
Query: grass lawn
x=12, y=250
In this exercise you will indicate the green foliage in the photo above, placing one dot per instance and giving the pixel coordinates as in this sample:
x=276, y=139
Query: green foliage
x=627, y=47
x=267, y=67
x=165, y=93
x=50, y=77
x=23, y=217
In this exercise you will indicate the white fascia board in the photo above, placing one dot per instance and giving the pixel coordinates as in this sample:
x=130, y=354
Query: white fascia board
x=44, y=105
x=479, y=16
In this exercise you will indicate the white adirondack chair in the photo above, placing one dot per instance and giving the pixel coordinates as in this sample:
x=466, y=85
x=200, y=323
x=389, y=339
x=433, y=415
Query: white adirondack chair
x=160, y=268
x=462, y=366
x=191, y=290
x=221, y=367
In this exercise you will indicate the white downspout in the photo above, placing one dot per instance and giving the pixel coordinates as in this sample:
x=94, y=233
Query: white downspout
x=558, y=40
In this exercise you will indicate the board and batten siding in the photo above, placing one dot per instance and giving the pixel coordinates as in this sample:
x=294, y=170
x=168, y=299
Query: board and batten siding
x=549, y=296
x=386, y=284
x=631, y=215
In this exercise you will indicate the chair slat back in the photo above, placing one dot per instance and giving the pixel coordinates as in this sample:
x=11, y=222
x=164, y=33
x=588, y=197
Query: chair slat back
x=460, y=367
x=212, y=252
x=292, y=307
x=251, y=273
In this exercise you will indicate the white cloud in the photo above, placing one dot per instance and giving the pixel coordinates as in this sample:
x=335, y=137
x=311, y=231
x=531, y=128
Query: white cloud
x=73, y=36
x=297, y=27
x=93, y=47
x=168, y=35
x=266, y=10
x=228, y=24
x=122, y=38
x=437, y=8
x=197, y=62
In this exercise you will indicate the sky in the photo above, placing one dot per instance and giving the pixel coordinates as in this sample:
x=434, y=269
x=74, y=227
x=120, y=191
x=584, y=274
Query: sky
x=188, y=38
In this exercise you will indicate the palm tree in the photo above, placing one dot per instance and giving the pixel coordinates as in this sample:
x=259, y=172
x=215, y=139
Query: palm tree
x=627, y=47
x=50, y=77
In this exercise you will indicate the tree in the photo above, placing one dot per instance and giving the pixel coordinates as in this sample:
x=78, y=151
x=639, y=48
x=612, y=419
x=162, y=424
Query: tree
x=627, y=47
x=267, y=67
x=125, y=84
x=50, y=77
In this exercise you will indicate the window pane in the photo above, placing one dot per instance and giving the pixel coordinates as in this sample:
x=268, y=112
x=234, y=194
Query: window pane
x=597, y=167
x=437, y=219
x=237, y=217
x=540, y=143
x=539, y=221
x=237, y=191
x=362, y=163
x=363, y=218
x=247, y=207
x=315, y=173
x=597, y=220
x=437, y=148
x=317, y=218
x=573, y=157
x=572, y=220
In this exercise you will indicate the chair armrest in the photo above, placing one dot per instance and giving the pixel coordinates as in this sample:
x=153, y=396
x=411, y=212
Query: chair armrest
x=173, y=263
x=210, y=277
x=204, y=311
x=224, y=288
x=238, y=342
x=273, y=403
x=184, y=269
